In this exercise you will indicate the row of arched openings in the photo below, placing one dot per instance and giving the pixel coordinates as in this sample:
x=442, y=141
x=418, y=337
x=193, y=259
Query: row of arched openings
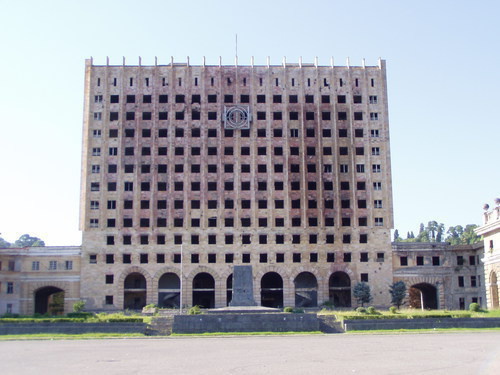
x=271, y=290
x=50, y=300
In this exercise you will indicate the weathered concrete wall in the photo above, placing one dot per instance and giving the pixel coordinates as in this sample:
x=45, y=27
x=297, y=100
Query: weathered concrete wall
x=366, y=325
x=245, y=323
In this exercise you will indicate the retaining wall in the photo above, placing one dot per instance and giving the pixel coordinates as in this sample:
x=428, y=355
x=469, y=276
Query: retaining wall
x=427, y=323
x=281, y=322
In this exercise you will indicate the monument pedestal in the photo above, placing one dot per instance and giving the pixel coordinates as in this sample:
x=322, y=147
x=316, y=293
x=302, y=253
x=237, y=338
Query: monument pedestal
x=242, y=287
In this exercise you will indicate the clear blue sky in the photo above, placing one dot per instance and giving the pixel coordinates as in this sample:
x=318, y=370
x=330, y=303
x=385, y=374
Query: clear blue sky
x=443, y=61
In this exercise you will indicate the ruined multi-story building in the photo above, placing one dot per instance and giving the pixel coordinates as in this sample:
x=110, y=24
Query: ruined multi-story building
x=440, y=275
x=490, y=230
x=39, y=279
x=190, y=170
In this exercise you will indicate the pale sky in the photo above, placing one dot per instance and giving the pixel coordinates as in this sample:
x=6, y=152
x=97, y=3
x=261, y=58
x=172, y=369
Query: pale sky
x=443, y=64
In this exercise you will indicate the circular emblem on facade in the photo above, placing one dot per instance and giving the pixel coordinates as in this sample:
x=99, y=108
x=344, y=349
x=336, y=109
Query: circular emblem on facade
x=237, y=117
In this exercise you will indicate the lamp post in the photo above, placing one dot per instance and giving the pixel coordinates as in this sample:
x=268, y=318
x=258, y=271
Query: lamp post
x=180, y=294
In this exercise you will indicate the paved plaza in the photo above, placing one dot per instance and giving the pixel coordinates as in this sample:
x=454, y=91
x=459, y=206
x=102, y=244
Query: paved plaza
x=439, y=353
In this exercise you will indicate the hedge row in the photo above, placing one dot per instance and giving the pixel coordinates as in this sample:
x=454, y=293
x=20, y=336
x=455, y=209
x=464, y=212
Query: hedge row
x=72, y=320
x=403, y=316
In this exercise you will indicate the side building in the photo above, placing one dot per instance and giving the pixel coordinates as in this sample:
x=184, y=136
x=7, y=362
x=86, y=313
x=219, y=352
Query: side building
x=189, y=170
x=490, y=230
x=43, y=280
x=440, y=275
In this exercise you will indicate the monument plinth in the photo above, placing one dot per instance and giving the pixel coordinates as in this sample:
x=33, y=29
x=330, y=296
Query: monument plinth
x=242, y=287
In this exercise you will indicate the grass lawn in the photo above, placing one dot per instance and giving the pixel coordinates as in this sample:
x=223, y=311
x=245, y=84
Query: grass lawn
x=410, y=313
x=63, y=336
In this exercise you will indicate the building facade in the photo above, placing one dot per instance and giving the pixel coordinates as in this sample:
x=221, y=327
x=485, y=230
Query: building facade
x=440, y=275
x=490, y=230
x=190, y=170
x=39, y=279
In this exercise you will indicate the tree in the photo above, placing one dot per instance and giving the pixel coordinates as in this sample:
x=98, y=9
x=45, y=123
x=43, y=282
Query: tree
x=432, y=227
x=398, y=293
x=439, y=233
x=4, y=244
x=459, y=235
x=454, y=234
x=362, y=293
x=26, y=240
x=470, y=237
x=396, y=236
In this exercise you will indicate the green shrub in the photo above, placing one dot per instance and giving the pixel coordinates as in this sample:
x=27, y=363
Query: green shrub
x=361, y=310
x=393, y=309
x=298, y=311
x=327, y=305
x=371, y=310
x=78, y=306
x=288, y=309
x=195, y=310
x=10, y=315
x=474, y=307
x=81, y=314
x=150, y=306
x=125, y=320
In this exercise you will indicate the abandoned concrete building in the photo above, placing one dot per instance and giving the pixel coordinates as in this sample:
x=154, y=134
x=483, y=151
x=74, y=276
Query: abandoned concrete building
x=193, y=169
x=39, y=279
x=190, y=170
x=490, y=230
x=440, y=275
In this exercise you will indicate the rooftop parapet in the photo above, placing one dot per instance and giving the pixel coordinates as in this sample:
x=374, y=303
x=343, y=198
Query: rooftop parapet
x=490, y=216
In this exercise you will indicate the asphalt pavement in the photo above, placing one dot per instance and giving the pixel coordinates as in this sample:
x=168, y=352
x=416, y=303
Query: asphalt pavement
x=429, y=353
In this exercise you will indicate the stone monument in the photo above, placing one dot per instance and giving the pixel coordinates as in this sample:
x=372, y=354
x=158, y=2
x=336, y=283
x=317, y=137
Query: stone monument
x=242, y=287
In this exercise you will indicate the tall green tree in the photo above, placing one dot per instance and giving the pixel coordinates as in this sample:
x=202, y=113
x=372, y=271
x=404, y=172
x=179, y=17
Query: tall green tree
x=398, y=293
x=362, y=293
x=470, y=237
x=454, y=234
x=432, y=227
x=397, y=238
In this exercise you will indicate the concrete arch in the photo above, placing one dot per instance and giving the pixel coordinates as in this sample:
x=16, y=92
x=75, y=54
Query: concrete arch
x=341, y=268
x=340, y=291
x=164, y=270
x=134, y=269
x=190, y=276
x=272, y=289
x=49, y=300
x=120, y=300
x=279, y=270
x=433, y=281
x=187, y=285
x=65, y=286
x=297, y=271
x=203, y=290
x=306, y=289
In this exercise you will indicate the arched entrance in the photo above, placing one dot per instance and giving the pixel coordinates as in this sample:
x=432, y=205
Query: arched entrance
x=134, y=290
x=425, y=292
x=204, y=290
x=229, y=289
x=339, y=286
x=169, y=291
x=271, y=290
x=306, y=290
x=494, y=290
x=49, y=300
